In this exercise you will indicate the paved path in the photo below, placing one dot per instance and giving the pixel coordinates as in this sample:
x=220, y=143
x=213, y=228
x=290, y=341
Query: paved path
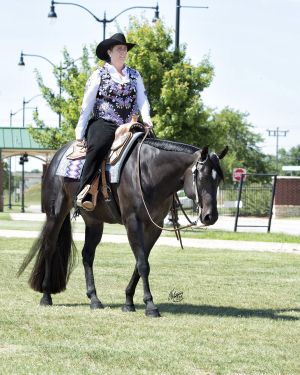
x=187, y=242
x=224, y=223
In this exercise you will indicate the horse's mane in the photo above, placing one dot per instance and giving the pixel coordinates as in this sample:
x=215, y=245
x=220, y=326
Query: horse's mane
x=164, y=144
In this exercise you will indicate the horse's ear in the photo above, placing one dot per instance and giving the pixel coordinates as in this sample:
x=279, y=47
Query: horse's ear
x=188, y=185
x=223, y=153
x=204, y=153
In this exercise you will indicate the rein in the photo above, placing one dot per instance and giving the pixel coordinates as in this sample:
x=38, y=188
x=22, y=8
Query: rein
x=175, y=198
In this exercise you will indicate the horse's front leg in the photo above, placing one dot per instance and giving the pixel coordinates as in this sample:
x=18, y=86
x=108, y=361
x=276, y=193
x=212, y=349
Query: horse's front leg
x=136, y=237
x=130, y=290
x=151, y=235
x=93, y=235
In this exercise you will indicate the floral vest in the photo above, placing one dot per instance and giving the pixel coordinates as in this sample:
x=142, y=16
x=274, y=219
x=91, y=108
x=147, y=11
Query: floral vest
x=115, y=101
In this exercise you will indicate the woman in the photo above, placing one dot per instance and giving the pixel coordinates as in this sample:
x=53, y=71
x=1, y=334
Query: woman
x=114, y=92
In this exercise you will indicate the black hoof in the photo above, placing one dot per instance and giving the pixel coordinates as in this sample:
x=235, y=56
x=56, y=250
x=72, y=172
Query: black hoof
x=128, y=308
x=96, y=305
x=46, y=302
x=153, y=313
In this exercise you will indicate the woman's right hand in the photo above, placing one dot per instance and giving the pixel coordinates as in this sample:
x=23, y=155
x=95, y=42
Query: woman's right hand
x=148, y=124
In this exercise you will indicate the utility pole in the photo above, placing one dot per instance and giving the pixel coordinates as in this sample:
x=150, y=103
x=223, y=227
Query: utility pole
x=277, y=133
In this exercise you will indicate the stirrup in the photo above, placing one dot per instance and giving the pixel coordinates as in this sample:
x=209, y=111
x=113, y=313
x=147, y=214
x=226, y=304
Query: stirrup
x=88, y=205
x=89, y=189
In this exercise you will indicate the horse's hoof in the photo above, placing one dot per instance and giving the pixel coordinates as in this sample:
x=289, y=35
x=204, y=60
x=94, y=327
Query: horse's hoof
x=96, y=305
x=46, y=302
x=153, y=313
x=128, y=308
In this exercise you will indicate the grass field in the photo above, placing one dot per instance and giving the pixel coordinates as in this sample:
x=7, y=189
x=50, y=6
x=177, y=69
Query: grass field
x=209, y=233
x=240, y=315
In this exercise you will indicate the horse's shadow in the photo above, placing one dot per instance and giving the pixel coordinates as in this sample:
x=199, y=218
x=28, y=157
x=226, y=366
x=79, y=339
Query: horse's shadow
x=226, y=311
x=71, y=304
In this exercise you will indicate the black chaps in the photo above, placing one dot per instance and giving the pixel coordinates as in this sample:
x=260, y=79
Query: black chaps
x=100, y=135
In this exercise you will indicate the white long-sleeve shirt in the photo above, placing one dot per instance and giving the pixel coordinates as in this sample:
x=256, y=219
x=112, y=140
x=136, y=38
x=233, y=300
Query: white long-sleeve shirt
x=91, y=90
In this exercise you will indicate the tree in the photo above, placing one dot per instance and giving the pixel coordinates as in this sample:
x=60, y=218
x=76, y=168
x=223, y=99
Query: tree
x=234, y=130
x=291, y=157
x=14, y=179
x=172, y=83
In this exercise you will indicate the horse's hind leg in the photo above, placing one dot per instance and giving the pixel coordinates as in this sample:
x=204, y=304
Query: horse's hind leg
x=57, y=238
x=141, y=243
x=51, y=235
x=93, y=235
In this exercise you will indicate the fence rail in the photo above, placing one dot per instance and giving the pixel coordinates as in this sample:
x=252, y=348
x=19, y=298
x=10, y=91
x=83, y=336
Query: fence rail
x=255, y=200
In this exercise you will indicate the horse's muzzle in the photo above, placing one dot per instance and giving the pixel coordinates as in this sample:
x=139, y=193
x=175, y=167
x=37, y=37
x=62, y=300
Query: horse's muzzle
x=209, y=219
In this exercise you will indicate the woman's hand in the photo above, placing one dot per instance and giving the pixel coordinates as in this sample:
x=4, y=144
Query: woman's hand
x=148, y=124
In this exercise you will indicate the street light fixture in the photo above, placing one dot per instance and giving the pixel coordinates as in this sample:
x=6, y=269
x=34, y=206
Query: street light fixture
x=21, y=63
x=52, y=15
x=23, y=159
x=156, y=15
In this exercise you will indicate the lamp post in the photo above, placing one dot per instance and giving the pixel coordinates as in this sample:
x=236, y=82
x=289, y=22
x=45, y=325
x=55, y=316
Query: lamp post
x=23, y=159
x=24, y=103
x=178, y=6
x=10, y=122
x=53, y=16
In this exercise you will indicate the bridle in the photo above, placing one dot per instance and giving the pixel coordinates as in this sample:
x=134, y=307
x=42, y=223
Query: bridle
x=194, y=171
x=201, y=178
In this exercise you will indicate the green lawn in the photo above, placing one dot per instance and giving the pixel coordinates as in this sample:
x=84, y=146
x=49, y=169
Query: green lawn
x=240, y=315
x=33, y=197
x=117, y=229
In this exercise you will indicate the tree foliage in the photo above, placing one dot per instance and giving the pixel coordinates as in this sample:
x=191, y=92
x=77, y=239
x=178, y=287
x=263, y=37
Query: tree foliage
x=244, y=151
x=291, y=157
x=172, y=83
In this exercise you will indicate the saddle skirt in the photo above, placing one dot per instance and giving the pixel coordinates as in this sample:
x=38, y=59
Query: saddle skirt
x=123, y=135
x=72, y=168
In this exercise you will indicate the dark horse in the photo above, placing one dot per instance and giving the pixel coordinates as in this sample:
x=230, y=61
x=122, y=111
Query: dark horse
x=165, y=168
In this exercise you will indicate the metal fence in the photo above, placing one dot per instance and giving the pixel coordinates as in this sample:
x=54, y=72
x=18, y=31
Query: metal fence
x=255, y=200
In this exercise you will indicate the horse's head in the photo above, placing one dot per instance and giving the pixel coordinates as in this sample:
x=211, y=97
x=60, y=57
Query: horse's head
x=201, y=181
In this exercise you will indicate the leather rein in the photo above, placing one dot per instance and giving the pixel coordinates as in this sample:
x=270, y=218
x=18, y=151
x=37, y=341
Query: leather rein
x=175, y=199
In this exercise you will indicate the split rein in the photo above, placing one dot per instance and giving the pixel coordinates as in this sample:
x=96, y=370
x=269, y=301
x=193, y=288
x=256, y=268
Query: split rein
x=175, y=198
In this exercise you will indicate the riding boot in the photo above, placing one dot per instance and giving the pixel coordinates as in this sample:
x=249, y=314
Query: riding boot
x=100, y=135
x=87, y=198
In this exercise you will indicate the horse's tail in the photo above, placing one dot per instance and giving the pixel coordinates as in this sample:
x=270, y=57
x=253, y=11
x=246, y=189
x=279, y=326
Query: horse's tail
x=63, y=262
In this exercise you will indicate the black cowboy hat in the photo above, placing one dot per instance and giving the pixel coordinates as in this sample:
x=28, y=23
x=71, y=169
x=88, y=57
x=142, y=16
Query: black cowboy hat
x=117, y=39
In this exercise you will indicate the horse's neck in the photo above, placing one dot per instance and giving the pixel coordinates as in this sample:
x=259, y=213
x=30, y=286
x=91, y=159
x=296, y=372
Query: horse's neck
x=169, y=167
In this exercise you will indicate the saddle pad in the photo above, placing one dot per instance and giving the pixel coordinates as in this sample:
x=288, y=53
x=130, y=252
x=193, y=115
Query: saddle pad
x=73, y=168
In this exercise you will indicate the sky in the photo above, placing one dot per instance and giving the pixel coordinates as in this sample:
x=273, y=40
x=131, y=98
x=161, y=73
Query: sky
x=254, y=47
